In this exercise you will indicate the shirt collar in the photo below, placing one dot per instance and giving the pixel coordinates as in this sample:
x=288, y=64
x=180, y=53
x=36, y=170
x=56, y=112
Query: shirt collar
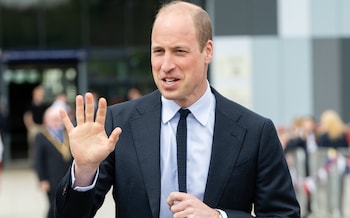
x=200, y=109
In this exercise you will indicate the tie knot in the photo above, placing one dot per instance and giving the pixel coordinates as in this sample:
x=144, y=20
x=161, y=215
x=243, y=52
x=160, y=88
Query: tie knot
x=184, y=112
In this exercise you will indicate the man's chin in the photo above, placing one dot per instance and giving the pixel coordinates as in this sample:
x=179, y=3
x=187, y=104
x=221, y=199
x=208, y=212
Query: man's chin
x=169, y=96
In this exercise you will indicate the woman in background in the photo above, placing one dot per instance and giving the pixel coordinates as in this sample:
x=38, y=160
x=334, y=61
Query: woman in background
x=332, y=130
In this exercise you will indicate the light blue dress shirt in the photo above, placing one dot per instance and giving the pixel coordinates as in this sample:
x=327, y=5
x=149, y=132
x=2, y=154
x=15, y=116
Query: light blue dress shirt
x=200, y=127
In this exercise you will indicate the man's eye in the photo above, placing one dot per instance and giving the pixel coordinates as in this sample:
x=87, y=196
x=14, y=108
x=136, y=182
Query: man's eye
x=157, y=51
x=180, y=51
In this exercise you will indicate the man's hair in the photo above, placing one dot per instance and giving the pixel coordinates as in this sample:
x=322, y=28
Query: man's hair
x=201, y=20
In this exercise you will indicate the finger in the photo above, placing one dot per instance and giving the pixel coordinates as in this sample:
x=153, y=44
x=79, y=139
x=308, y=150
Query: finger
x=113, y=138
x=89, y=107
x=101, y=111
x=175, y=197
x=79, y=109
x=66, y=121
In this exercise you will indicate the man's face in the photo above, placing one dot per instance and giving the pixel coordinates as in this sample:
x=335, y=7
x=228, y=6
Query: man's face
x=179, y=66
x=53, y=119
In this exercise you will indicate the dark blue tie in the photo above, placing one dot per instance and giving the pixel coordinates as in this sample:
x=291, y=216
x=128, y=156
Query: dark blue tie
x=181, y=138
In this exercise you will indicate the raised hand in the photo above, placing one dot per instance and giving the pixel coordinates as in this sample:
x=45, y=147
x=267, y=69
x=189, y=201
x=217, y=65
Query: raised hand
x=88, y=140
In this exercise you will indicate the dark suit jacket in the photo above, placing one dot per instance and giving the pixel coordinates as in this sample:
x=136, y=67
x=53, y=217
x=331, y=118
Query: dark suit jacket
x=296, y=143
x=49, y=164
x=48, y=161
x=326, y=141
x=247, y=165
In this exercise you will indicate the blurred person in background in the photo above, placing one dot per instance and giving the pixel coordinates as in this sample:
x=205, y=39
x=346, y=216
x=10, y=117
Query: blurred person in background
x=61, y=101
x=33, y=116
x=52, y=155
x=332, y=130
x=283, y=133
x=134, y=93
x=304, y=136
x=96, y=96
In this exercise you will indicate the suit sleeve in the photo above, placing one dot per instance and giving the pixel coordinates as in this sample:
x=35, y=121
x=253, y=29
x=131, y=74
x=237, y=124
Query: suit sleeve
x=274, y=192
x=71, y=203
x=275, y=195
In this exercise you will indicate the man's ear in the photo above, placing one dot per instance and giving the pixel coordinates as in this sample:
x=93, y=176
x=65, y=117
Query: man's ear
x=208, y=50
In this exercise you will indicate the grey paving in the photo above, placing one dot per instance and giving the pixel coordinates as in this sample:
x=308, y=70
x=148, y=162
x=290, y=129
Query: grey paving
x=20, y=196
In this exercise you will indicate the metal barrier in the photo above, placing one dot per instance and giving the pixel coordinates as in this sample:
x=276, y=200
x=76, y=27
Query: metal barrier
x=328, y=184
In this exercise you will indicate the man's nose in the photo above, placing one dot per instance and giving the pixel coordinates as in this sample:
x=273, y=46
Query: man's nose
x=167, y=63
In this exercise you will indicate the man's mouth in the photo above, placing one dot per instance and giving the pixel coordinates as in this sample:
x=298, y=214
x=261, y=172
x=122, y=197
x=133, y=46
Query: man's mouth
x=170, y=80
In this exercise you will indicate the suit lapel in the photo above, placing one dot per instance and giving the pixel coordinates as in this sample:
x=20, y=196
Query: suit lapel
x=227, y=142
x=146, y=134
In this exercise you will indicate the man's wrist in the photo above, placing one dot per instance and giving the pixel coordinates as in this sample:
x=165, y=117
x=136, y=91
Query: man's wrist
x=85, y=187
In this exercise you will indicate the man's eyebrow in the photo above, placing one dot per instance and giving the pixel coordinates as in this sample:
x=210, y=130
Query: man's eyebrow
x=156, y=47
x=180, y=47
x=176, y=47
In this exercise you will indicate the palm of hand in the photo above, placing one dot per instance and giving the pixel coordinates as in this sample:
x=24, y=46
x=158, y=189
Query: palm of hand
x=89, y=144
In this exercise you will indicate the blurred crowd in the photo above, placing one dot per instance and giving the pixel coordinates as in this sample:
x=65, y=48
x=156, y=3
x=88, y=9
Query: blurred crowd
x=312, y=148
x=330, y=131
x=48, y=145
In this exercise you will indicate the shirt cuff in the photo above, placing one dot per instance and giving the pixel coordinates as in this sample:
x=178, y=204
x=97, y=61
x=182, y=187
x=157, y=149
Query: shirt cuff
x=222, y=213
x=86, y=188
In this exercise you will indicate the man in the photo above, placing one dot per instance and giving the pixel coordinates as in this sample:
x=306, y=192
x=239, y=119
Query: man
x=234, y=158
x=52, y=156
x=33, y=116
